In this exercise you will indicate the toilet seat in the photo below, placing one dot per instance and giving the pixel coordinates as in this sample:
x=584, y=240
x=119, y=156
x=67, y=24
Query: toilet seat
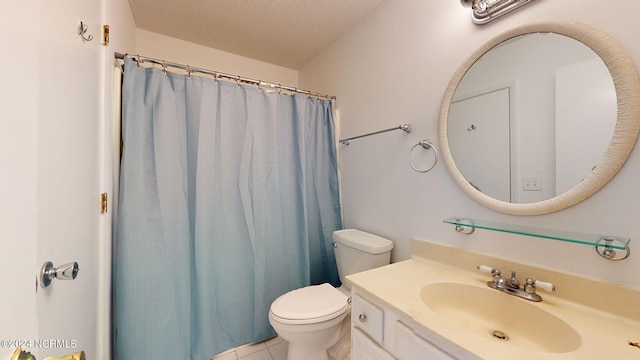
x=310, y=304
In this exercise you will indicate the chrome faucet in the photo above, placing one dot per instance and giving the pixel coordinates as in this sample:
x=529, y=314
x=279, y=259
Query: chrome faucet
x=512, y=285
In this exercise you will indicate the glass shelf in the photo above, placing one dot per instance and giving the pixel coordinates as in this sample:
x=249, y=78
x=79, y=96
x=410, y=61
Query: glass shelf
x=615, y=242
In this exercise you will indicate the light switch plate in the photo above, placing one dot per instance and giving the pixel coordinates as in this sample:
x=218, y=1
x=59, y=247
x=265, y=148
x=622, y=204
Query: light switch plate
x=532, y=183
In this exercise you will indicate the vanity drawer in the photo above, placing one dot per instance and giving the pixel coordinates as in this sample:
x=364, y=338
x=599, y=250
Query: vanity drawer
x=367, y=317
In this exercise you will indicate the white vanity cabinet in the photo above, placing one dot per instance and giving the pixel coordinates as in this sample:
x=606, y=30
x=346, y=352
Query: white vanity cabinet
x=412, y=346
x=363, y=348
x=379, y=333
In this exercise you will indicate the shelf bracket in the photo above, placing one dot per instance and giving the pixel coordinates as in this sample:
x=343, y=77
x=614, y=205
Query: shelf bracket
x=463, y=229
x=605, y=249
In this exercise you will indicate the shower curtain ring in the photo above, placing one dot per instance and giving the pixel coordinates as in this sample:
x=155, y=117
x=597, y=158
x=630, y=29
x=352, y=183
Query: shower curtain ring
x=238, y=80
x=138, y=60
x=164, y=67
x=215, y=77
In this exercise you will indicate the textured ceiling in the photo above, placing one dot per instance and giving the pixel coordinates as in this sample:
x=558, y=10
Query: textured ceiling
x=288, y=33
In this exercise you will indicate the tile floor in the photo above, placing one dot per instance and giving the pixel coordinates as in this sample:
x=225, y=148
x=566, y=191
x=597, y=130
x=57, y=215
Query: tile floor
x=272, y=349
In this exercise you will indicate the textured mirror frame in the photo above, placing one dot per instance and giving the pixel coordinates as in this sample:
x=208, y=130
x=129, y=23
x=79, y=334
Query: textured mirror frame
x=627, y=85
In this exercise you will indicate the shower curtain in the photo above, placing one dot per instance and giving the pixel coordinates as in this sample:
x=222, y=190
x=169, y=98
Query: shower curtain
x=228, y=199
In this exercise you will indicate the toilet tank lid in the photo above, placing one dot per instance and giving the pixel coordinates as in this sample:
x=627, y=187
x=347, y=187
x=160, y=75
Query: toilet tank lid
x=363, y=241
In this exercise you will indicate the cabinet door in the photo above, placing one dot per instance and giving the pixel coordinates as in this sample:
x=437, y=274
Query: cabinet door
x=367, y=317
x=363, y=348
x=411, y=346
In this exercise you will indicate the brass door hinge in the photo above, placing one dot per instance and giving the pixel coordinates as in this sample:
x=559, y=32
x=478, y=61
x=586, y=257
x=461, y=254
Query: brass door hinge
x=104, y=203
x=105, y=35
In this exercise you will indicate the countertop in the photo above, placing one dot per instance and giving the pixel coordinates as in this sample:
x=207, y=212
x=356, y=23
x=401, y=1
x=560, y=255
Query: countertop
x=605, y=315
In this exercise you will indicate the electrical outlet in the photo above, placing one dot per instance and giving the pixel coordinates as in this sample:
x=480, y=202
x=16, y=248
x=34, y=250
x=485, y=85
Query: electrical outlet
x=532, y=183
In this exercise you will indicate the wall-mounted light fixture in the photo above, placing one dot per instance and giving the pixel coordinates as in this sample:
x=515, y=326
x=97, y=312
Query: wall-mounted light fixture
x=484, y=11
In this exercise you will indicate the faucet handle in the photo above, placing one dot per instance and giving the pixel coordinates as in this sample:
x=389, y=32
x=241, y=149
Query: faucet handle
x=531, y=285
x=544, y=285
x=485, y=269
x=497, y=281
x=495, y=273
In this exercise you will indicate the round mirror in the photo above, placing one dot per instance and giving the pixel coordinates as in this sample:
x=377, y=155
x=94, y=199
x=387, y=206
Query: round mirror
x=540, y=118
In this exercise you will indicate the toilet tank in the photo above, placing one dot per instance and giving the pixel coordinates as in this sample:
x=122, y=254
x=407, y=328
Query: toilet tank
x=358, y=251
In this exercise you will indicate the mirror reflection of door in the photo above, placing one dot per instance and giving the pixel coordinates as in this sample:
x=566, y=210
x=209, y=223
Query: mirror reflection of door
x=479, y=129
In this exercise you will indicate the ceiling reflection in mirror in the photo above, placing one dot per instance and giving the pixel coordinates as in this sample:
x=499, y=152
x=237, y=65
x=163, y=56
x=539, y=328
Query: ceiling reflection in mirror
x=532, y=117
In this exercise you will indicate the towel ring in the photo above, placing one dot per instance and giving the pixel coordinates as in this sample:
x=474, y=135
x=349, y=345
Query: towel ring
x=426, y=144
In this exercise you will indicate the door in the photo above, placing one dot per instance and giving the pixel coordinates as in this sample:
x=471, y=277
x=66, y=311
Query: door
x=52, y=161
x=472, y=122
x=18, y=169
x=72, y=315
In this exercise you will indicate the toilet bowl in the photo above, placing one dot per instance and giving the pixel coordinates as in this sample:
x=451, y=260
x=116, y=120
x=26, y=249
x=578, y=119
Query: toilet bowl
x=315, y=318
x=310, y=319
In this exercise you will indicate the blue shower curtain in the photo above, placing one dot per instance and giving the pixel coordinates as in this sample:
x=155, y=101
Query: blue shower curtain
x=228, y=199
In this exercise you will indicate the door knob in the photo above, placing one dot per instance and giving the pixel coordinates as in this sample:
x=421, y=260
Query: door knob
x=63, y=272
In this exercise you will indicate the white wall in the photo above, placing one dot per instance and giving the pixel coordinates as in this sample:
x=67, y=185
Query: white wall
x=578, y=151
x=179, y=51
x=394, y=67
x=122, y=28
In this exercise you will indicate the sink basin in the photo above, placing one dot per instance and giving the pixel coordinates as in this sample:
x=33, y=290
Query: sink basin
x=500, y=317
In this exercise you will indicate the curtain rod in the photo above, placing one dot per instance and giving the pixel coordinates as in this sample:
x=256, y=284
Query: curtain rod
x=218, y=75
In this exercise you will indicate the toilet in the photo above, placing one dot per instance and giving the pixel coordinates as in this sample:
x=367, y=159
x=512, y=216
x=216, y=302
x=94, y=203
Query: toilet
x=315, y=318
